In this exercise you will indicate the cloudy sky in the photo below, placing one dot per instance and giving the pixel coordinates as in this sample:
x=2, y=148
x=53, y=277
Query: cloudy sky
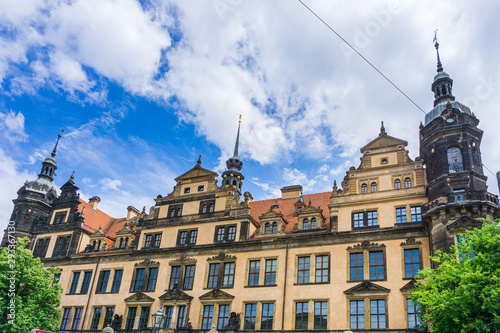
x=143, y=88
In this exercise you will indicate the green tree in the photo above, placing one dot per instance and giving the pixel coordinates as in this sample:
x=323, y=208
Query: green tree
x=463, y=293
x=29, y=293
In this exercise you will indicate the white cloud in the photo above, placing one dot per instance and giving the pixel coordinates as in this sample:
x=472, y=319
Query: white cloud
x=110, y=184
x=12, y=126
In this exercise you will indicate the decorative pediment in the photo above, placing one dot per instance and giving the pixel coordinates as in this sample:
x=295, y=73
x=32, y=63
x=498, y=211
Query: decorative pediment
x=139, y=297
x=408, y=287
x=310, y=210
x=465, y=223
x=125, y=231
x=222, y=257
x=197, y=172
x=216, y=294
x=175, y=294
x=411, y=241
x=147, y=263
x=384, y=141
x=366, y=287
x=365, y=245
x=182, y=260
x=271, y=214
x=98, y=234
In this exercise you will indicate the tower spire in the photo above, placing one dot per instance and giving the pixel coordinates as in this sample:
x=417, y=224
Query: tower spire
x=57, y=142
x=237, y=139
x=436, y=45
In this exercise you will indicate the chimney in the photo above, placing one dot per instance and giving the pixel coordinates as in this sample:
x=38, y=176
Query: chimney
x=132, y=212
x=94, y=201
x=291, y=192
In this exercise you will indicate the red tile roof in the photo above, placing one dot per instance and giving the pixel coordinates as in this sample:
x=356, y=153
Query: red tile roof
x=95, y=219
x=287, y=208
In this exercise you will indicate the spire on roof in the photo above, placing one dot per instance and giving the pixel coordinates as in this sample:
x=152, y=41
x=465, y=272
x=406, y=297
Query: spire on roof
x=72, y=178
x=382, y=129
x=436, y=45
x=237, y=139
x=55, y=147
x=198, y=163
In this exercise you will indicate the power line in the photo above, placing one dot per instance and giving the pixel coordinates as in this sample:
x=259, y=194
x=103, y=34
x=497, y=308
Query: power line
x=373, y=66
x=494, y=175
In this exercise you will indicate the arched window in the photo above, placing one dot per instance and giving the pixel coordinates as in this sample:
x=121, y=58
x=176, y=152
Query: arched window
x=407, y=182
x=234, y=182
x=275, y=227
x=267, y=228
x=374, y=187
x=179, y=212
x=204, y=209
x=212, y=208
x=172, y=213
x=121, y=242
x=364, y=188
x=455, y=163
x=126, y=242
x=305, y=224
x=98, y=245
x=397, y=184
x=313, y=223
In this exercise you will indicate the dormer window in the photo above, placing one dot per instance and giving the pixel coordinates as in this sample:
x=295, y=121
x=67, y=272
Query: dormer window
x=60, y=218
x=275, y=227
x=305, y=224
x=267, y=228
x=313, y=223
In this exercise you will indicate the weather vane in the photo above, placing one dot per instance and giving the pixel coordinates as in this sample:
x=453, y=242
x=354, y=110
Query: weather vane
x=240, y=118
x=435, y=40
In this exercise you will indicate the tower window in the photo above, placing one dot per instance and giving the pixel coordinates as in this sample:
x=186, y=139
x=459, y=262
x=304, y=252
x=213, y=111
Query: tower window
x=397, y=184
x=364, y=188
x=455, y=163
x=407, y=182
x=384, y=161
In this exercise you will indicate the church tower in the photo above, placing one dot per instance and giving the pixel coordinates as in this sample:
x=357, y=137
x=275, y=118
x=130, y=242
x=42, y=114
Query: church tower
x=450, y=146
x=232, y=177
x=34, y=199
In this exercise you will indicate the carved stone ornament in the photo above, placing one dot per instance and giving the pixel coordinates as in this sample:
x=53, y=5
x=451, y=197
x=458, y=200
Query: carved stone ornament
x=365, y=245
x=411, y=241
x=147, y=263
x=139, y=297
x=216, y=293
x=175, y=294
x=183, y=260
x=366, y=286
x=221, y=257
x=409, y=286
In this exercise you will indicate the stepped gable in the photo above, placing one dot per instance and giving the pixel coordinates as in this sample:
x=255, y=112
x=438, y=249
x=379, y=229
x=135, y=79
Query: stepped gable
x=287, y=208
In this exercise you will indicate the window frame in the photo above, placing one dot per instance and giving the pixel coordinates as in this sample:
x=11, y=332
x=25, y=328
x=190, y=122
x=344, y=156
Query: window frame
x=401, y=215
x=116, y=284
x=147, y=284
x=103, y=281
x=366, y=249
x=366, y=219
x=86, y=282
x=151, y=240
x=397, y=184
x=412, y=263
x=224, y=231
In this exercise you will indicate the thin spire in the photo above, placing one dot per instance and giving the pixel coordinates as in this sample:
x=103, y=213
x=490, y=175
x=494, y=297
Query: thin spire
x=72, y=178
x=198, y=163
x=237, y=139
x=55, y=147
x=382, y=129
x=436, y=45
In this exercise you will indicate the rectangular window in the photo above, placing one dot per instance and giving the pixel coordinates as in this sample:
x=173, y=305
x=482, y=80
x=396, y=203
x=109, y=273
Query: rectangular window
x=187, y=237
x=412, y=263
x=320, y=315
x=254, y=273
x=108, y=316
x=303, y=270
x=213, y=275
x=132, y=312
x=117, y=281
x=103, y=281
x=357, y=314
x=416, y=214
x=65, y=318
x=400, y=215
x=228, y=275
x=60, y=217
x=223, y=319
x=86, y=282
x=181, y=317
x=77, y=318
x=139, y=280
x=192, y=237
x=188, y=277
x=220, y=232
x=364, y=219
x=267, y=316
x=168, y=316
x=74, y=283
x=174, y=276
x=175, y=211
x=206, y=320
x=62, y=244
x=357, y=220
x=182, y=237
x=377, y=265
x=157, y=240
x=270, y=274
x=41, y=247
x=414, y=314
x=250, y=316
x=226, y=233
x=356, y=267
x=95, y=319
x=377, y=314
x=57, y=277
x=301, y=315
x=371, y=218
x=147, y=243
x=153, y=274
x=322, y=268
x=143, y=320
x=231, y=233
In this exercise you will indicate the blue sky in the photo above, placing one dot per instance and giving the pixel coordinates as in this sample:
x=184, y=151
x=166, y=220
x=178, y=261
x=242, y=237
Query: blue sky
x=143, y=88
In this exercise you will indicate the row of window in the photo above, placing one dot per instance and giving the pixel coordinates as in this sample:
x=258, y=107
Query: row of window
x=365, y=265
x=206, y=207
x=397, y=185
x=257, y=315
x=366, y=219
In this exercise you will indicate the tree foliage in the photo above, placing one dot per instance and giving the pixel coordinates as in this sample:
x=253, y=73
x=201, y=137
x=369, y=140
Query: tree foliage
x=463, y=293
x=29, y=293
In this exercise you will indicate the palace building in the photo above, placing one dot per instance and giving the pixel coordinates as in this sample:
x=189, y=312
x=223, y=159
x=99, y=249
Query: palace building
x=208, y=255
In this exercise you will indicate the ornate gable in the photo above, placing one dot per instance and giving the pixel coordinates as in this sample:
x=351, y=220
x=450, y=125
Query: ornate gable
x=310, y=218
x=175, y=294
x=182, y=260
x=271, y=221
x=139, y=298
x=407, y=288
x=365, y=245
x=216, y=294
x=464, y=223
x=367, y=287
